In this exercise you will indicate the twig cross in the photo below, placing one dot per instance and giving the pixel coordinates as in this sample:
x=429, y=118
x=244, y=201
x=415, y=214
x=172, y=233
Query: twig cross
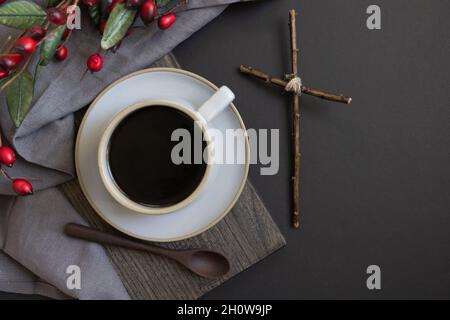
x=292, y=83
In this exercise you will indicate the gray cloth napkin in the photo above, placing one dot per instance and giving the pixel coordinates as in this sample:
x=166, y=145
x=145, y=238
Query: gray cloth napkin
x=35, y=254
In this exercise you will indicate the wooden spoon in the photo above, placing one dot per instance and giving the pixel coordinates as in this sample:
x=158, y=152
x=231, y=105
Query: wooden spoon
x=205, y=263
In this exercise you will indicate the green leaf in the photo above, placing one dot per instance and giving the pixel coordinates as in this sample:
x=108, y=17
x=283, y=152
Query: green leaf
x=18, y=96
x=22, y=14
x=37, y=72
x=48, y=48
x=3, y=81
x=53, y=3
x=119, y=21
x=94, y=13
x=162, y=3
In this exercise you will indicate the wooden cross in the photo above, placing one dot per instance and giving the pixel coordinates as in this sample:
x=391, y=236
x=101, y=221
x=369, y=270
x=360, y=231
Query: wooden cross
x=293, y=84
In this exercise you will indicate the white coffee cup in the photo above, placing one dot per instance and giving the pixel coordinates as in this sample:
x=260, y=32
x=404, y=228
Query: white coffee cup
x=203, y=115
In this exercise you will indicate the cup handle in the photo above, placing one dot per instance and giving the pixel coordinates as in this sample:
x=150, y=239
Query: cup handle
x=217, y=103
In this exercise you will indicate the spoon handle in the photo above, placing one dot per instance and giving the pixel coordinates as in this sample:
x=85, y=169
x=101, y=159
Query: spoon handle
x=86, y=233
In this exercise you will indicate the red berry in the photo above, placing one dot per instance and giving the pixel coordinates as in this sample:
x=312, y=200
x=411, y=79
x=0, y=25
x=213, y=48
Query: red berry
x=3, y=73
x=90, y=2
x=37, y=33
x=56, y=16
x=114, y=4
x=11, y=61
x=7, y=156
x=166, y=21
x=101, y=27
x=134, y=3
x=61, y=53
x=66, y=34
x=95, y=62
x=26, y=45
x=148, y=11
x=22, y=187
x=2, y=1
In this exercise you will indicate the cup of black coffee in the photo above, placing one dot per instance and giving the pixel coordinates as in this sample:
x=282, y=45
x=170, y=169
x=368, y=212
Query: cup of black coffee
x=136, y=153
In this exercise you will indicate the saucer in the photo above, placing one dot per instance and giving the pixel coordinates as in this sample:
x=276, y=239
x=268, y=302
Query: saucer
x=213, y=202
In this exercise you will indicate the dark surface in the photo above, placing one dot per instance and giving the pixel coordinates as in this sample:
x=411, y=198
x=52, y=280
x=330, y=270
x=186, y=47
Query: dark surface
x=376, y=174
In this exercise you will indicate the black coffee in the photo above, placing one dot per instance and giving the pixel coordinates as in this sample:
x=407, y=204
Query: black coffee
x=140, y=157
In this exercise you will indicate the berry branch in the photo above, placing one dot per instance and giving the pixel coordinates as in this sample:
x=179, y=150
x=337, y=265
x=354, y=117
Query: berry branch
x=7, y=157
x=47, y=29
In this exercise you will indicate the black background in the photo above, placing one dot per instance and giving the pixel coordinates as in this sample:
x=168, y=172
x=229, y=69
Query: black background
x=376, y=174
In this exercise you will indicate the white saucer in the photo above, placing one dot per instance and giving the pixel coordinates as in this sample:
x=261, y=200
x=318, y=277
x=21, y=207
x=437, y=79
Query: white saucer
x=214, y=201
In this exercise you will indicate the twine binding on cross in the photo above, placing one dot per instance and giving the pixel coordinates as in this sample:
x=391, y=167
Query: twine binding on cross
x=295, y=86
